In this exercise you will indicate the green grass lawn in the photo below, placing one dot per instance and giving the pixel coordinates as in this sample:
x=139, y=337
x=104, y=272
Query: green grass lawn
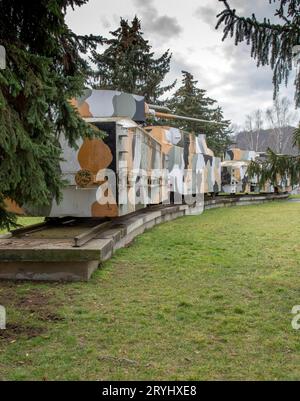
x=205, y=297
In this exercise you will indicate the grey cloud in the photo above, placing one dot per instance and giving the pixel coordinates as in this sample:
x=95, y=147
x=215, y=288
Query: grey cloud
x=179, y=64
x=245, y=87
x=105, y=22
x=240, y=89
x=158, y=25
x=207, y=14
x=261, y=9
x=244, y=75
x=164, y=26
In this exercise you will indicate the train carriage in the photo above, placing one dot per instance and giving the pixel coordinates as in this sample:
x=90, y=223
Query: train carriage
x=106, y=177
x=192, y=166
x=134, y=166
x=235, y=177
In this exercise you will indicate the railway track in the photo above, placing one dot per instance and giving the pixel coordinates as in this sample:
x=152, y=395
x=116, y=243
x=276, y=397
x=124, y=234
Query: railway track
x=70, y=249
x=89, y=228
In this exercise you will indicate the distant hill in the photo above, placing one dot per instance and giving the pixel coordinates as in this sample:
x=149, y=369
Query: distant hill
x=267, y=139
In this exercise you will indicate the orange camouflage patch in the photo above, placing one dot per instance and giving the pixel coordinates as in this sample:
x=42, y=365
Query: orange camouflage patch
x=107, y=210
x=94, y=155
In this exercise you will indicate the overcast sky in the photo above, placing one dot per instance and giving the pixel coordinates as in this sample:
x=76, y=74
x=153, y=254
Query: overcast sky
x=187, y=28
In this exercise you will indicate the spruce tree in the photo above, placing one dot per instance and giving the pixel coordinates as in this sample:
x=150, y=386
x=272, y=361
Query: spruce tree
x=271, y=44
x=191, y=101
x=128, y=64
x=44, y=70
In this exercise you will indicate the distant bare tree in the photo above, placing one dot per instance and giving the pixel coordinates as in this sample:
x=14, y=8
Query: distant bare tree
x=279, y=117
x=235, y=128
x=253, y=126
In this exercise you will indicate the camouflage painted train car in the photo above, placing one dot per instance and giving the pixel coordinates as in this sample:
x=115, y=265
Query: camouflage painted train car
x=234, y=172
x=185, y=153
x=109, y=177
x=133, y=165
x=235, y=178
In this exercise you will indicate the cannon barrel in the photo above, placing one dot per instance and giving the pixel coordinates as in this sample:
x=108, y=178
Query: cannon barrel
x=167, y=116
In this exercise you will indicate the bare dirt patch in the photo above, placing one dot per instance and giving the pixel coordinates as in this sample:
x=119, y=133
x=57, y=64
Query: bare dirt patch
x=14, y=331
x=27, y=311
x=33, y=300
x=41, y=305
